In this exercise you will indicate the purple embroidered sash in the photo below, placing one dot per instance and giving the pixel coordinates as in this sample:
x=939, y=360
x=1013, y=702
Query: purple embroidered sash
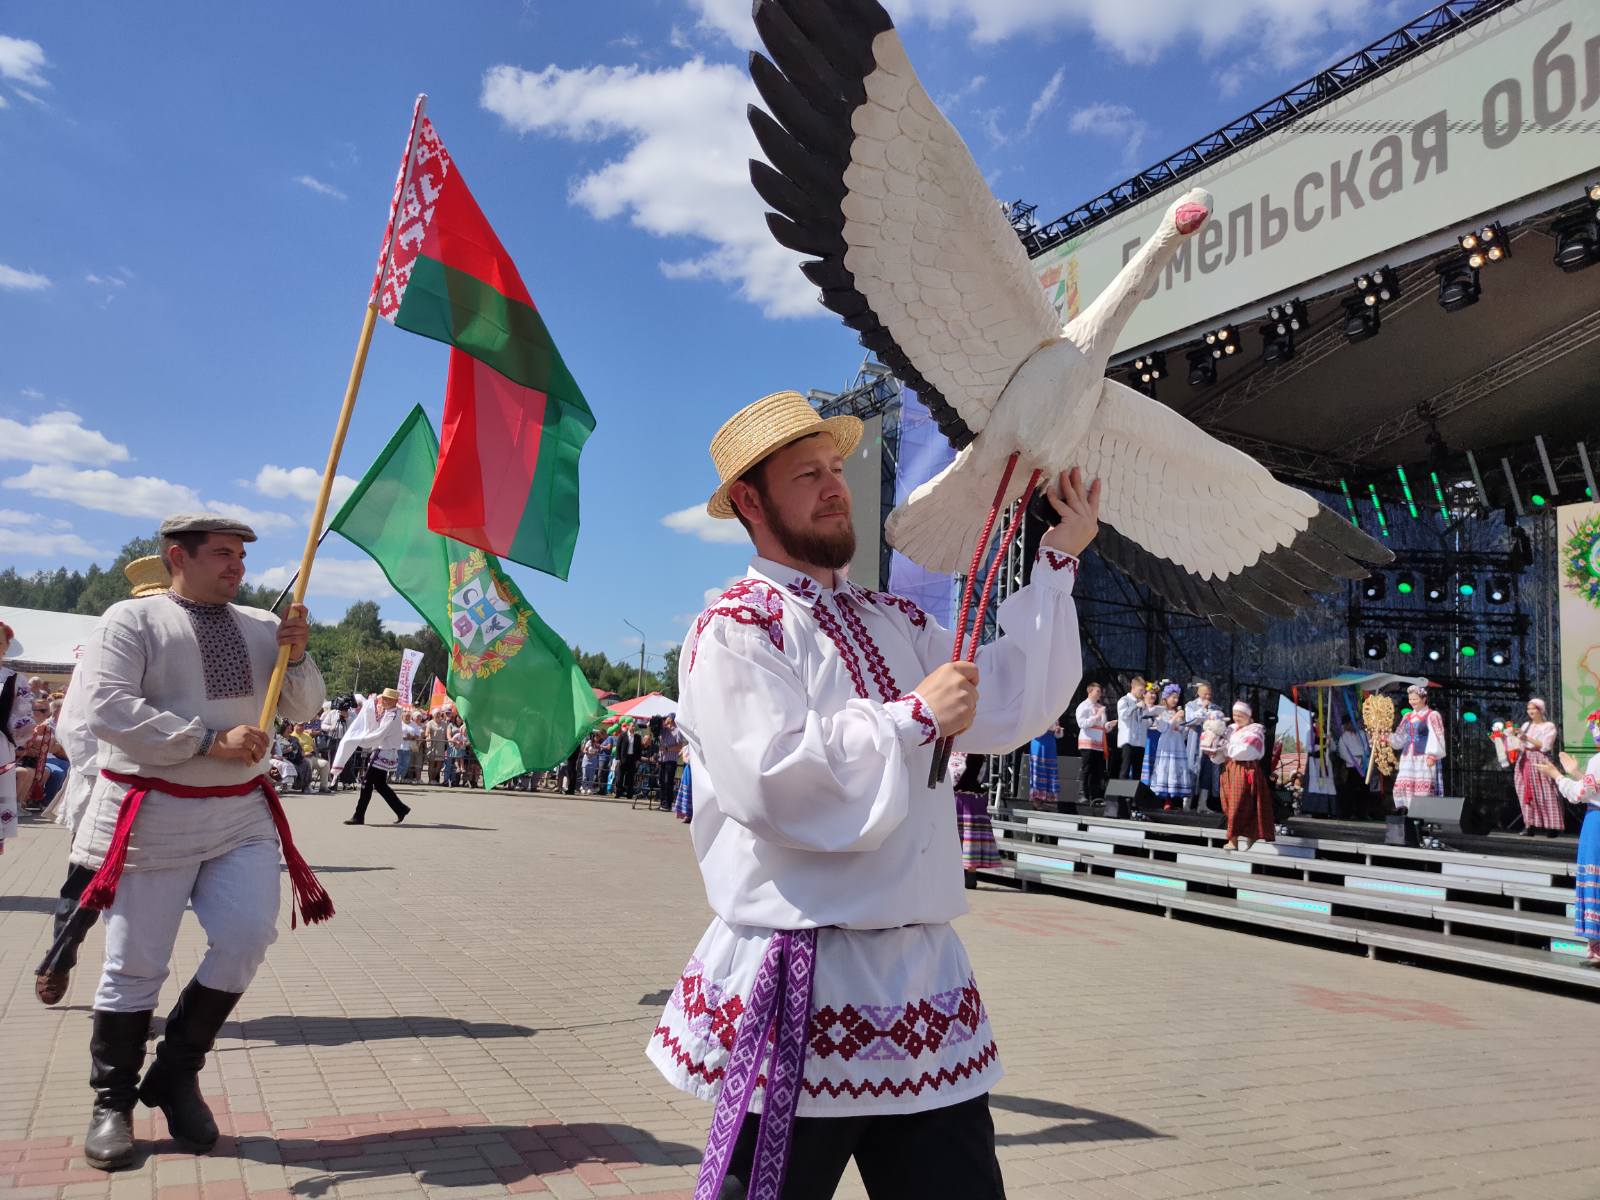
x=779, y=1007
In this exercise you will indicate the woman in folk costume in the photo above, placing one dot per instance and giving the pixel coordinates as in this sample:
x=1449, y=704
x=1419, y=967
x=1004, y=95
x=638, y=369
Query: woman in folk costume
x=16, y=724
x=1536, y=791
x=1584, y=790
x=1246, y=797
x=1170, y=778
x=978, y=849
x=1092, y=764
x=1152, y=735
x=1044, y=771
x=811, y=708
x=1419, y=738
x=683, y=798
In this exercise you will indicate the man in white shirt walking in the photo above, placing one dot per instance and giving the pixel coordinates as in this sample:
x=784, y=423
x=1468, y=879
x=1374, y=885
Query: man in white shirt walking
x=810, y=708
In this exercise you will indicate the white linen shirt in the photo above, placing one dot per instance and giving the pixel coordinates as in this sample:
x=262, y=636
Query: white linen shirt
x=811, y=751
x=1132, y=724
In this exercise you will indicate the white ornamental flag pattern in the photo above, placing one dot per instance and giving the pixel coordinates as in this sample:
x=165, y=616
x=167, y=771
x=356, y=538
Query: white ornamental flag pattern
x=478, y=615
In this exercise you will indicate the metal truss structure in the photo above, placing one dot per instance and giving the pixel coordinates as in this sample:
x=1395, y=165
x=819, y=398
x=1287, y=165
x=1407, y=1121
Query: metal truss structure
x=1438, y=23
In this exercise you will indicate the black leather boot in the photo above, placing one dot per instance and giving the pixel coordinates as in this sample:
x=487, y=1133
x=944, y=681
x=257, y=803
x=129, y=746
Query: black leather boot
x=116, y=1052
x=172, y=1083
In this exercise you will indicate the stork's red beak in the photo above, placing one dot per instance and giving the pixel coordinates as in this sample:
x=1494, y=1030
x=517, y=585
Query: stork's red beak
x=1190, y=217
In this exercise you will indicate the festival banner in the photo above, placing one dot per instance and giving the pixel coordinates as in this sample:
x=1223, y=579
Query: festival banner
x=1578, y=565
x=523, y=698
x=406, y=685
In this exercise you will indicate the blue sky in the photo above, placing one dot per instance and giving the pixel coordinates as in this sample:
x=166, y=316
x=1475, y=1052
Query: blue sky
x=193, y=203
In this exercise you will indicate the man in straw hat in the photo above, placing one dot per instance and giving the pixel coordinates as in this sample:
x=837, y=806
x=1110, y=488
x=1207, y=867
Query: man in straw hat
x=173, y=685
x=148, y=577
x=377, y=727
x=810, y=708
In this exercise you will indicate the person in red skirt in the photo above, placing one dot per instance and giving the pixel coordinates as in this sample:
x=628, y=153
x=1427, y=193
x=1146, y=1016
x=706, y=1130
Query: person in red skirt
x=1542, y=808
x=1246, y=797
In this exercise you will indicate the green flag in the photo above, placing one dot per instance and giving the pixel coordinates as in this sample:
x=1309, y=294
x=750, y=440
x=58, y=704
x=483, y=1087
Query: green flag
x=525, y=702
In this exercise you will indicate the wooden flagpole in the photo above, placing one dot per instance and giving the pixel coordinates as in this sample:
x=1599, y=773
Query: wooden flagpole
x=269, y=708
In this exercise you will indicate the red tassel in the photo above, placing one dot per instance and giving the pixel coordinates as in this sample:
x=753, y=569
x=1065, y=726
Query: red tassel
x=102, y=889
x=311, y=898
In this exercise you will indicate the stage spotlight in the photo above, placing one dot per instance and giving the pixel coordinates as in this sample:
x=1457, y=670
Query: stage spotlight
x=1377, y=287
x=1466, y=589
x=1405, y=583
x=1360, y=321
x=1471, y=714
x=1459, y=286
x=1499, y=590
x=1433, y=590
x=1433, y=651
x=1150, y=367
x=1406, y=646
x=1375, y=646
x=1499, y=654
x=1287, y=317
x=1223, y=341
x=1374, y=587
x=1202, y=371
x=1488, y=245
x=1577, y=242
x=1277, y=344
x=1468, y=648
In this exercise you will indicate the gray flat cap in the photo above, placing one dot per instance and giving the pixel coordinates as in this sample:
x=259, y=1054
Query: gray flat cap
x=205, y=523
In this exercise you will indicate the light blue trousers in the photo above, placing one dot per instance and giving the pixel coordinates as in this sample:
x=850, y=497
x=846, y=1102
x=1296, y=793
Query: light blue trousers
x=235, y=897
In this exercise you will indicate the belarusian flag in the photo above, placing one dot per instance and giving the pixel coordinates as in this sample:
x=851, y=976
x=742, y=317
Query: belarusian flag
x=524, y=700
x=515, y=420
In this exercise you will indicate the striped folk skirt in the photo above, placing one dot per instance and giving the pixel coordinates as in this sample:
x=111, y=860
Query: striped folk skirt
x=683, y=802
x=1586, y=911
x=1542, y=806
x=978, y=850
x=1415, y=777
x=1247, y=801
x=1044, y=774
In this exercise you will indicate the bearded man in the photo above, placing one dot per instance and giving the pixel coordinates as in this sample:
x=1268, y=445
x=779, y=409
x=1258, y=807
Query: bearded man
x=810, y=708
x=173, y=685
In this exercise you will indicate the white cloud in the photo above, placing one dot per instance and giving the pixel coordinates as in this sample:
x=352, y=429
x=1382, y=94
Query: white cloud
x=1138, y=31
x=398, y=628
x=57, y=437
x=681, y=171
x=29, y=393
x=322, y=189
x=115, y=281
x=22, y=61
x=132, y=495
x=951, y=101
x=345, y=578
x=1042, y=102
x=300, y=483
x=4, y=103
x=1114, y=122
x=14, y=279
x=696, y=522
x=713, y=594
x=14, y=540
x=10, y=516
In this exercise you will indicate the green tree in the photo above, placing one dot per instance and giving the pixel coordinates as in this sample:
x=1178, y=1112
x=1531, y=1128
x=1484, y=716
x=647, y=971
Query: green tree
x=668, y=685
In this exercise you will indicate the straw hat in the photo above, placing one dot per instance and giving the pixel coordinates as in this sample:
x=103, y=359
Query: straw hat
x=391, y=694
x=147, y=576
x=769, y=424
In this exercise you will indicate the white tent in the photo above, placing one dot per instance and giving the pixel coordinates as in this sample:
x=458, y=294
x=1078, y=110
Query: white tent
x=644, y=707
x=50, y=642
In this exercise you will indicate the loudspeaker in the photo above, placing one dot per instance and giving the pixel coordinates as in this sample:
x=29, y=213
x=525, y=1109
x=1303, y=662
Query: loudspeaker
x=1400, y=831
x=1120, y=795
x=1449, y=815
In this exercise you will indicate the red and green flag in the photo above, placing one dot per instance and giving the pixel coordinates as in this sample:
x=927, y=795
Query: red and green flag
x=515, y=420
x=524, y=699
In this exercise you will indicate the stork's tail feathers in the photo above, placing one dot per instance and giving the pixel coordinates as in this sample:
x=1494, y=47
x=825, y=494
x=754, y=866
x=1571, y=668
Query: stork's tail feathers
x=937, y=526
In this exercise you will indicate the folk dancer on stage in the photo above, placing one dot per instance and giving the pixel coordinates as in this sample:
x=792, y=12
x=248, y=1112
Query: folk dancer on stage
x=811, y=708
x=1536, y=791
x=1246, y=796
x=182, y=815
x=1170, y=778
x=1584, y=790
x=378, y=729
x=1130, y=725
x=1150, y=709
x=1204, y=772
x=16, y=723
x=1092, y=766
x=1419, y=738
x=1044, y=769
x=149, y=577
x=970, y=774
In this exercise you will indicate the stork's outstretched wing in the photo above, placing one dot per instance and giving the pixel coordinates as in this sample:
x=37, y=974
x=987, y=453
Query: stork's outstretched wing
x=911, y=247
x=1206, y=525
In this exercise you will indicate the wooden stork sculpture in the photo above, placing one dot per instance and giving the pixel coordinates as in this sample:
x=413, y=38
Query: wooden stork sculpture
x=913, y=251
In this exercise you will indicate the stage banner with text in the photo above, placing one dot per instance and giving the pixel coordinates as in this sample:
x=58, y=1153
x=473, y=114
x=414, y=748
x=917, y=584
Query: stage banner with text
x=1578, y=565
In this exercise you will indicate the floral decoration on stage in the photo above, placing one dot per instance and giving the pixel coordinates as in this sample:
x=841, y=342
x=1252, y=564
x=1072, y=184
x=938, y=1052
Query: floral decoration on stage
x=1580, y=559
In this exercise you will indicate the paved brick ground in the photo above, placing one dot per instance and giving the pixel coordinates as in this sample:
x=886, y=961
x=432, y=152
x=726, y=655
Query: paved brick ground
x=473, y=1019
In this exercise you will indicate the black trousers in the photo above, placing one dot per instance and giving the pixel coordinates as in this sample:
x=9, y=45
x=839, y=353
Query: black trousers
x=903, y=1156
x=1132, y=762
x=666, y=784
x=378, y=778
x=627, y=773
x=1092, y=774
x=65, y=950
